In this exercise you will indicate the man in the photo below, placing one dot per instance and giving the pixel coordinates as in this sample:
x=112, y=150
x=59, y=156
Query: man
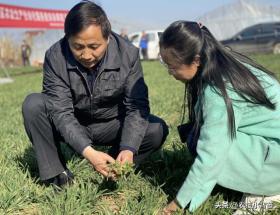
x=25, y=53
x=123, y=34
x=93, y=94
x=144, y=45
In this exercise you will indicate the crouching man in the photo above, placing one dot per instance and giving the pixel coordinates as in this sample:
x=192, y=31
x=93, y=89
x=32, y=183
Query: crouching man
x=93, y=94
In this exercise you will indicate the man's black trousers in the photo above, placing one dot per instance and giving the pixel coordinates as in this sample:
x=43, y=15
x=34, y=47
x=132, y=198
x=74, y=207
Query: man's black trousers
x=46, y=139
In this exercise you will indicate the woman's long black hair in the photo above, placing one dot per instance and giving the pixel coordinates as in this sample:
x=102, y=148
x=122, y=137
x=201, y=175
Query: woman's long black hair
x=182, y=41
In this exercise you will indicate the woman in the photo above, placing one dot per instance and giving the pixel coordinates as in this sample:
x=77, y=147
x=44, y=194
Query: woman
x=234, y=104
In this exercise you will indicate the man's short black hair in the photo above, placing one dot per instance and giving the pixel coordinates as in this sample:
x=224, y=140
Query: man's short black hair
x=84, y=14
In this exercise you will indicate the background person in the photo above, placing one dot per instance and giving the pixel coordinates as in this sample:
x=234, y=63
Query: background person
x=25, y=53
x=124, y=34
x=235, y=105
x=144, y=45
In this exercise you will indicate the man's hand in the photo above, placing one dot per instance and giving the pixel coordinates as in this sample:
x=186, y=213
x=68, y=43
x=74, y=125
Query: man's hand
x=125, y=156
x=170, y=208
x=99, y=160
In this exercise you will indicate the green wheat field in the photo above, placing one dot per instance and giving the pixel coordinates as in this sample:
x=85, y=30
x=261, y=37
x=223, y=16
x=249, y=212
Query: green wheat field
x=144, y=191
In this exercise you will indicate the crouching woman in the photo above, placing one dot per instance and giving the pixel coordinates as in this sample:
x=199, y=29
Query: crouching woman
x=234, y=104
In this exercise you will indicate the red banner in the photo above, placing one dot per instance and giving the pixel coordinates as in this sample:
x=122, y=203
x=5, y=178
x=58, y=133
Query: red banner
x=26, y=17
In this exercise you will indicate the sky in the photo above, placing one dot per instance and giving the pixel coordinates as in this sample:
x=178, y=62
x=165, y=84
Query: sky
x=150, y=13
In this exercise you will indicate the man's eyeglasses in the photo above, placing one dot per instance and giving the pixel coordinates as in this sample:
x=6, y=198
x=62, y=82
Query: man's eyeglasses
x=171, y=71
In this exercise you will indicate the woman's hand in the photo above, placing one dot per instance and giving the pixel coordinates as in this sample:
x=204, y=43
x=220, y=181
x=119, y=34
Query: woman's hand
x=170, y=208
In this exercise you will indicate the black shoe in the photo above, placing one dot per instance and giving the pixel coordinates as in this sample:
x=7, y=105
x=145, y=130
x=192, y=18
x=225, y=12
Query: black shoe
x=61, y=180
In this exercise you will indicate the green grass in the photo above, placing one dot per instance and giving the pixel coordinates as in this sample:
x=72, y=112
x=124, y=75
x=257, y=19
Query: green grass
x=19, y=71
x=143, y=192
x=270, y=62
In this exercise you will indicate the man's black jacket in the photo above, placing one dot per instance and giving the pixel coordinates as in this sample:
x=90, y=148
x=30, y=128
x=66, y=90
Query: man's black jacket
x=119, y=91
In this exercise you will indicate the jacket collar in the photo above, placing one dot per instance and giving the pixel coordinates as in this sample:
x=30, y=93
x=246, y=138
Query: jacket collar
x=111, y=59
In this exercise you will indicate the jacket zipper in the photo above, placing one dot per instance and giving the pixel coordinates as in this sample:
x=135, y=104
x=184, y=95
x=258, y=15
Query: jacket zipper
x=96, y=80
x=91, y=99
x=90, y=94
